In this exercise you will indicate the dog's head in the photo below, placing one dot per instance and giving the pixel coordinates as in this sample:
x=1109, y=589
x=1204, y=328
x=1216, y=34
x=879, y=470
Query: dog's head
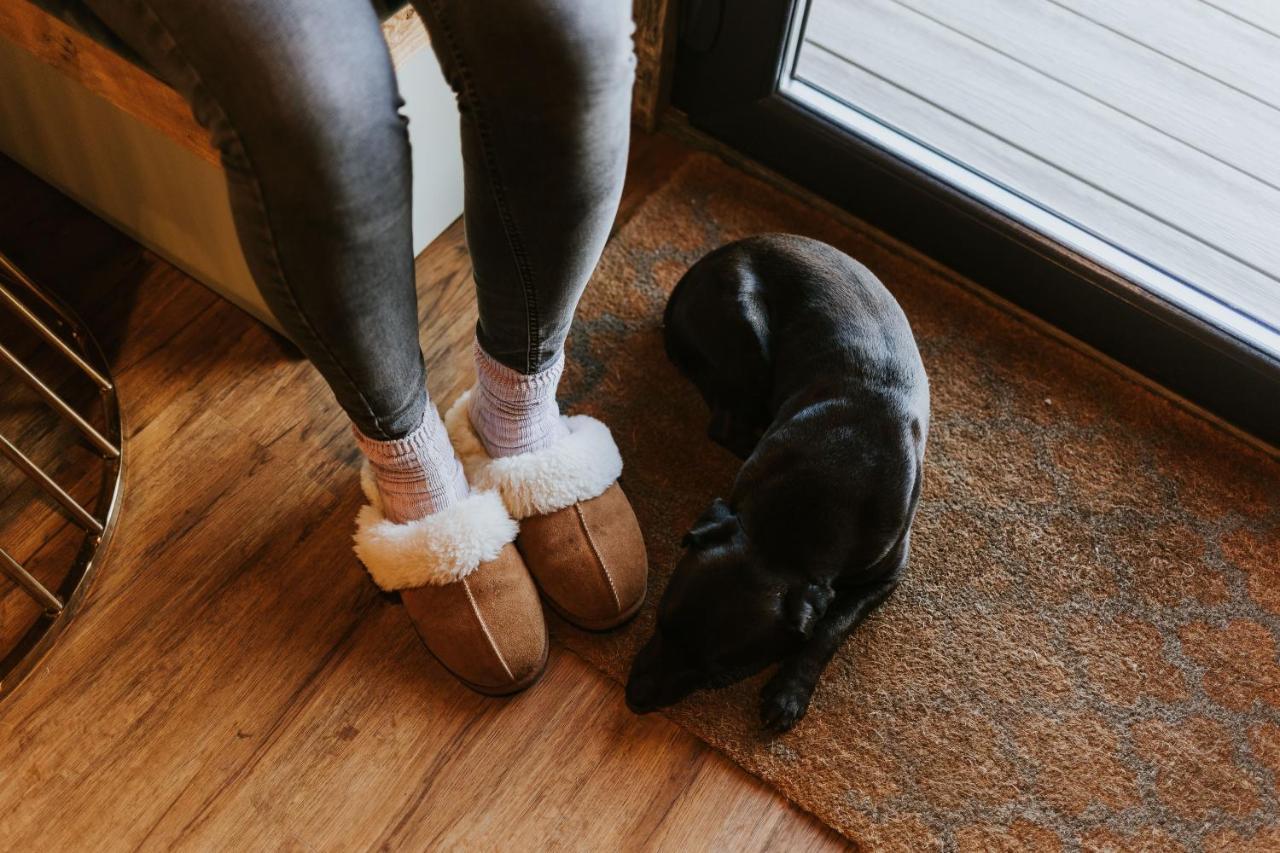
x=725, y=615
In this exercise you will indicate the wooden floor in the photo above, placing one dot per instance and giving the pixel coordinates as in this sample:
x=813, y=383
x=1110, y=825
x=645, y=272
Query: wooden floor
x=1154, y=125
x=234, y=680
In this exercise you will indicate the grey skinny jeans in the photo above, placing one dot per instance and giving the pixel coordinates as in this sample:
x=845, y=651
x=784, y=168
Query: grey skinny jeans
x=300, y=99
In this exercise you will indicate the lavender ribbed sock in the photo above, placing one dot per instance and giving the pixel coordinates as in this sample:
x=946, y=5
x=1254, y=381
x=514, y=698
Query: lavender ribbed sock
x=513, y=412
x=418, y=474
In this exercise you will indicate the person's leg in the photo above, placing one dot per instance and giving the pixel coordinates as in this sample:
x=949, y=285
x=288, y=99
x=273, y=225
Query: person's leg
x=300, y=99
x=544, y=91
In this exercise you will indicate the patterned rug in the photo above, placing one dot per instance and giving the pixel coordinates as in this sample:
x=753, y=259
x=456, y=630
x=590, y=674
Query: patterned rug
x=1084, y=651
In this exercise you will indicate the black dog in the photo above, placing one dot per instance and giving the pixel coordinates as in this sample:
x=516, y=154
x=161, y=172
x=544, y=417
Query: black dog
x=812, y=375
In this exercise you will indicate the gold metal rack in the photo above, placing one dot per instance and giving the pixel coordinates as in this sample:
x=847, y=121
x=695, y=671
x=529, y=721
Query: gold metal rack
x=64, y=332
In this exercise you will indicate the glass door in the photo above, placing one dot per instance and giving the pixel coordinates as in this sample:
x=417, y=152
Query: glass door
x=1109, y=165
x=1142, y=134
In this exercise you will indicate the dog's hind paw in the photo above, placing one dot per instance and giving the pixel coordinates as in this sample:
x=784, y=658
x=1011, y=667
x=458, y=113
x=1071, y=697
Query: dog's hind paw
x=783, y=703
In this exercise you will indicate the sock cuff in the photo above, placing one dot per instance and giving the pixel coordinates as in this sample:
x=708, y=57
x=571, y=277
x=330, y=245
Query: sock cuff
x=423, y=438
x=417, y=474
x=492, y=373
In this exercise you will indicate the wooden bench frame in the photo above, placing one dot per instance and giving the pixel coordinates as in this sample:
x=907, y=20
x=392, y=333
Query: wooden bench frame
x=132, y=89
x=149, y=168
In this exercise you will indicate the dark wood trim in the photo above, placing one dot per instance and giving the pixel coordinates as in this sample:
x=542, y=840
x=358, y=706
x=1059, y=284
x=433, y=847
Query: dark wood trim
x=725, y=82
x=655, y=54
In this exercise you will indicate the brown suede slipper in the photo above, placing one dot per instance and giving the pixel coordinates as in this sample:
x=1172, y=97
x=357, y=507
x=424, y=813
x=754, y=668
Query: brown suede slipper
x=578, y=533
x=487, y=629
x=464, y=585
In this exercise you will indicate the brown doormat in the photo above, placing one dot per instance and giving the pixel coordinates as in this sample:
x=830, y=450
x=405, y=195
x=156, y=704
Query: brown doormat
x=1084, y=649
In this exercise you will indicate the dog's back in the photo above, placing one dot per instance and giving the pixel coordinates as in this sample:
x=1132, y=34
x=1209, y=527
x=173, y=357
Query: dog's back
x=812, y=375
x=760, y=318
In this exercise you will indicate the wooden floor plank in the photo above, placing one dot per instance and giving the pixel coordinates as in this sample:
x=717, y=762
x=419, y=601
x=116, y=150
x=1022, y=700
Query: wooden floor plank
x=235, y=681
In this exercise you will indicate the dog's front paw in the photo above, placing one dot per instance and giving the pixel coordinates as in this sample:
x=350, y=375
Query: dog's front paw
x=783, y=702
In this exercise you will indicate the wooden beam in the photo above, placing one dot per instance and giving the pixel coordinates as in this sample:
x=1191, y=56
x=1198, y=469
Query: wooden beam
x=405, y=35
x=655, y=51
x=105, y=73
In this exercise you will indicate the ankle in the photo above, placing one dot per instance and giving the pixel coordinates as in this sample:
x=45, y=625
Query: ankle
x=513, y=412
x=417, y=474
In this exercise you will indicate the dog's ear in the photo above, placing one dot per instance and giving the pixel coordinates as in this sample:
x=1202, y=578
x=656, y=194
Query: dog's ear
x=805, y=604
x=716, y=524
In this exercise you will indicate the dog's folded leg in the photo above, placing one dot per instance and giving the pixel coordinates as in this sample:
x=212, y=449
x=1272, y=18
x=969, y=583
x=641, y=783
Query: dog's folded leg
x=785, y=697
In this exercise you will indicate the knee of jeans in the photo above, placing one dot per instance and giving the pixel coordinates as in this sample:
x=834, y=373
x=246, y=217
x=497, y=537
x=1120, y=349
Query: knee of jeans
x=604, y=54
x=339, y=122
x=316, y=119
x=576, y=46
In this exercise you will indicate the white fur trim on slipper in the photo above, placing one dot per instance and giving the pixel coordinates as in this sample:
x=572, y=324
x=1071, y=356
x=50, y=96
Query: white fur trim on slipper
x=441, y=548
x=578, y=467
